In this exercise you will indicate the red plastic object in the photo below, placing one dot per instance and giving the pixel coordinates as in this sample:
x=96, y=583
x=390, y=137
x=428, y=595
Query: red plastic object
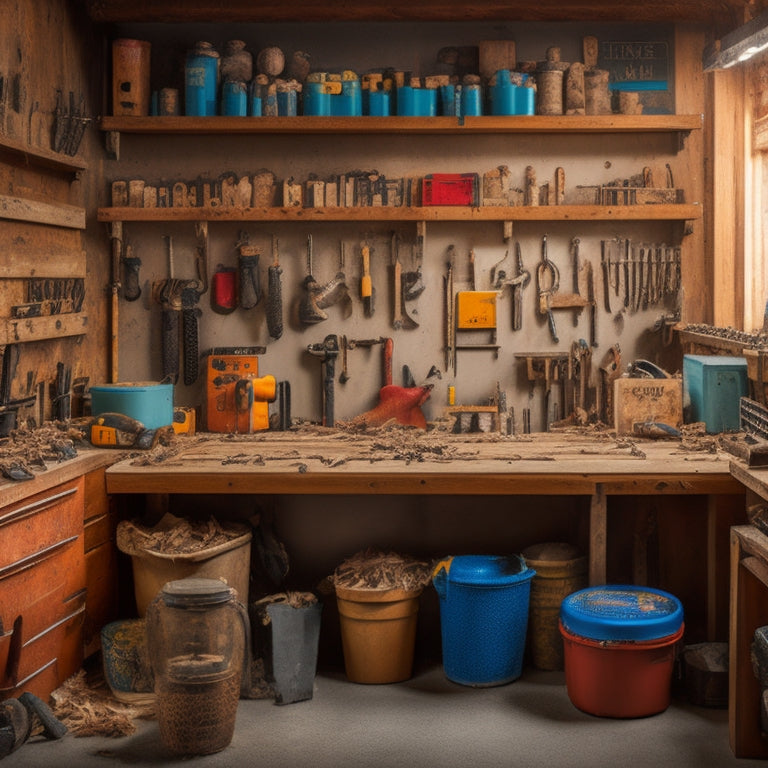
x=619, y=679
x=450, y=189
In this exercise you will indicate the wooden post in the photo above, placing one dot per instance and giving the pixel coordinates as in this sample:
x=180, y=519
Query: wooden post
x=598, y=525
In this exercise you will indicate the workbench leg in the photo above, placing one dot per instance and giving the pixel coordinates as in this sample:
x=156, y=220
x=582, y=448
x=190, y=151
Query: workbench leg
x=748, y=611
x=598, y=525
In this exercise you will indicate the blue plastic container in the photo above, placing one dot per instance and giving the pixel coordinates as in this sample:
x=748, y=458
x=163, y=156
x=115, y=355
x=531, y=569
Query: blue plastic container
x=713, y=386
x=620, y=644
x=147, y=402
x=484, y=604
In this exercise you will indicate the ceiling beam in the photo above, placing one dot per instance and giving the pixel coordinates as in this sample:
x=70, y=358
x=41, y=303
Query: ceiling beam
x=721, y=13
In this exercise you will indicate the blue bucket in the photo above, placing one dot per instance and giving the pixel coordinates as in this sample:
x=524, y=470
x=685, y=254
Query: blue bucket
x=483, y=617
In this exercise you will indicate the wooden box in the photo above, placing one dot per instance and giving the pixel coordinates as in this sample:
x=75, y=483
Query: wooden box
x=647, y=401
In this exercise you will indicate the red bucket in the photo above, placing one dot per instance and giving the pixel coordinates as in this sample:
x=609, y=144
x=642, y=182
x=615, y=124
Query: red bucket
x=619, y=679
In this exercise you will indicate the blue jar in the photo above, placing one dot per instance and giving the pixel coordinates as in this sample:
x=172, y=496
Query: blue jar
x=234, y=99
x=201, y=80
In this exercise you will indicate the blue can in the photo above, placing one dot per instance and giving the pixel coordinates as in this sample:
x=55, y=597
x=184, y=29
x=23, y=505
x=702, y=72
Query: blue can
x=406, y=101
x=502, y=94
x=254, y=106
x=317, y=100
x=448, y=101
x=378, y=103
x=471, y=100
x=234, y=99
x=349, y=103
x=525, y=100
x=287, y=102
x=201, y=80
x=484, y=602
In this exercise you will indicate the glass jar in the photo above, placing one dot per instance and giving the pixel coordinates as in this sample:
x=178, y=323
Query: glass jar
x=198, y=638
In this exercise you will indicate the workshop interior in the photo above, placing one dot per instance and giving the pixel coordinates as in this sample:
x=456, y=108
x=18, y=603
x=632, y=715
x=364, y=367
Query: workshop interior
x=354, y=351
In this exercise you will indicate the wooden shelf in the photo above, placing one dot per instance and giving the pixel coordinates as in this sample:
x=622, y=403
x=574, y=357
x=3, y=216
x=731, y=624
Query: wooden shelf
x=39, y=157
x=246, y=11
x=428, y=213
x=407, y=125
x=13, y=330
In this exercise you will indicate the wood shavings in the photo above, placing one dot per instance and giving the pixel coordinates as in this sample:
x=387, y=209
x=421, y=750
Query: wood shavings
x=293, y=599
x=175, y=534
x=90, y=709
x=374, y=569
x=25, y=449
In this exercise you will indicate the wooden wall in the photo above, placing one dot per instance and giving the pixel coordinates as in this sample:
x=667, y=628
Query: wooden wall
x=50, y=58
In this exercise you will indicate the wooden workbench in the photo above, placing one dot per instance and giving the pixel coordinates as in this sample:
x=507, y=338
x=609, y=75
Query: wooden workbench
x=329, y=461
x=749, y=610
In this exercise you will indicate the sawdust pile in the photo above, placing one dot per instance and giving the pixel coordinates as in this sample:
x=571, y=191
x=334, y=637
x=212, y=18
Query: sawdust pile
x=175, y=534
x=88, y=708
x=374, y=569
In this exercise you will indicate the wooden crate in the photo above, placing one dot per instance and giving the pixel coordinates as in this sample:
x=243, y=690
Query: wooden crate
x=640, y=401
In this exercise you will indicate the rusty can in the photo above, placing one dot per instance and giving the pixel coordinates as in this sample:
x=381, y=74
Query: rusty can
x=130, y=77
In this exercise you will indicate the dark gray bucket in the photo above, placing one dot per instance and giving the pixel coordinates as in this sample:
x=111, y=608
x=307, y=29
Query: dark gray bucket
x=291, y=660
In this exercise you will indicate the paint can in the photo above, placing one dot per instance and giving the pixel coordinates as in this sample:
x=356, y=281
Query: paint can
x=201, y=80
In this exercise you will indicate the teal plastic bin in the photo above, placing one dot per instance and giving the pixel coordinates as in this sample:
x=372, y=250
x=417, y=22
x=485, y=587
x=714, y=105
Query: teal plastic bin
x=484, y=604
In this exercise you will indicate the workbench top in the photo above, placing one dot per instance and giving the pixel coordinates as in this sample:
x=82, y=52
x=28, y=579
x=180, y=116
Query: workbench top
x=406, y=461
x=55, y=473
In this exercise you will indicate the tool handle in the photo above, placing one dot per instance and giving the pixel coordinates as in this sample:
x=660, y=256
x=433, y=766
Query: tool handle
x=191, y=347
x=328, y=395
x=274, y=310
x=387, y=349
x=552, y=327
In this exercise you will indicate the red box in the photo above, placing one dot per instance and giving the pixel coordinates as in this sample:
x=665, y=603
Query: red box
x=450, y=189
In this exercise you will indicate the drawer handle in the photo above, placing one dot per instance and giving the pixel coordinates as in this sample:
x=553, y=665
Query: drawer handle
x=72, y=615
x=5, y=691
x=35, y=558
x=36, y=506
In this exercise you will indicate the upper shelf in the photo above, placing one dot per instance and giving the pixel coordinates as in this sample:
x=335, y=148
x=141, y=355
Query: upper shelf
x=401, y=213
x=406, y=125
x=40, y=157
x=212, y=11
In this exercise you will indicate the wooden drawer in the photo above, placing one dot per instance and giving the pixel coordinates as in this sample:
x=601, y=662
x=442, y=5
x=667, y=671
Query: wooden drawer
x=39, y=523
x=42, y=590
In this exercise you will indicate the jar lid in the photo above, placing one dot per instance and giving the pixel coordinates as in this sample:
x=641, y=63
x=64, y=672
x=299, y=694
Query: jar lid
x=194, y=592
x=488, y=570
x=623, y=612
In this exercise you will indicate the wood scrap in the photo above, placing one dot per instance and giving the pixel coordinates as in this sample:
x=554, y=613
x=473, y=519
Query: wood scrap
x=87, y=708
x=375, y=569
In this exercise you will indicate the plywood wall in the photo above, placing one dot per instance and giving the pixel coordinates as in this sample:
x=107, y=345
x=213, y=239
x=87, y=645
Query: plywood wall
x=50, y=59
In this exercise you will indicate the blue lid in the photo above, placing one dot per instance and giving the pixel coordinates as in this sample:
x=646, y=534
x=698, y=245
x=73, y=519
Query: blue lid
x=622, y=612
x=488, y=570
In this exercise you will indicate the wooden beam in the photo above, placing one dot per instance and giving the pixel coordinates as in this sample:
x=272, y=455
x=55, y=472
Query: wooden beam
x=726, y=14
x=23, y=209
x=727, y=221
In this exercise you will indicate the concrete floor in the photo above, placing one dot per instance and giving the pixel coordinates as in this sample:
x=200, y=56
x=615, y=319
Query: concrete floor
x=427, y=722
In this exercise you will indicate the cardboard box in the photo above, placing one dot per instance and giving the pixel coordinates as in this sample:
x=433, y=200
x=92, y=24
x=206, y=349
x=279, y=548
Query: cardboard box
x=647, y=401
